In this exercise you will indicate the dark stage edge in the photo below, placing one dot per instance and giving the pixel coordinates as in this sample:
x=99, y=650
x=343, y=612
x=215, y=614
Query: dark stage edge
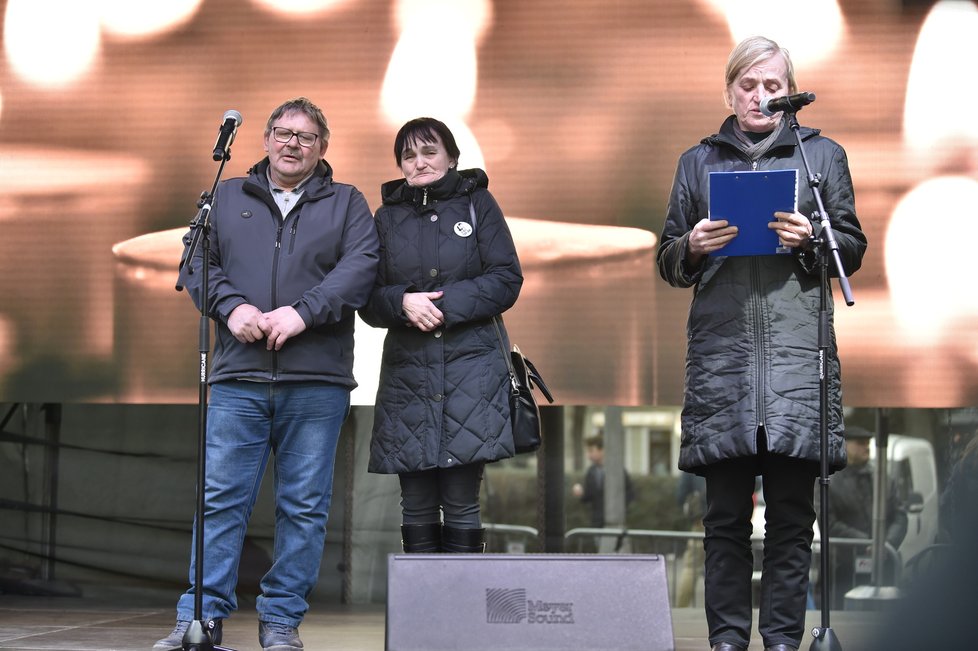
x=131, y=621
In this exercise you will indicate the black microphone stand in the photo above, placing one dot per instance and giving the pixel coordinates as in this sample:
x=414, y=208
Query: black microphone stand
x=825, y=245
x=199, y=634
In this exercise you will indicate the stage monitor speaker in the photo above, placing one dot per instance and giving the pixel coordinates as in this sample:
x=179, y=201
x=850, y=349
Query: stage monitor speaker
x=538, y=602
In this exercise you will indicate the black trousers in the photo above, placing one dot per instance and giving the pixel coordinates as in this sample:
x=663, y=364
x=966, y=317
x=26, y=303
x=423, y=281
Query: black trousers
x=449, y=494
x=789, y=491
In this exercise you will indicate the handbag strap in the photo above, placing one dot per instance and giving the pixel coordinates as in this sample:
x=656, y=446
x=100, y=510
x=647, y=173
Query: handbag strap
x=495, y=319
x=509, y=362
x=533, y=374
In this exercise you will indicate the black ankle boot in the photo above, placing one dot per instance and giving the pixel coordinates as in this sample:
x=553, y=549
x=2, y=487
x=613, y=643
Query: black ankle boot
x=463, y=541
x=422, y=538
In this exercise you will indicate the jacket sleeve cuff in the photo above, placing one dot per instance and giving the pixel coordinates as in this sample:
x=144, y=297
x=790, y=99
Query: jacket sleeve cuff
x=227, y=306
x=303, y=311
x=690, y=274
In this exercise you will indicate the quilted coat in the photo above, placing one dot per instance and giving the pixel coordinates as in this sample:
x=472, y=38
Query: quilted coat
x=752, y=344
x=443, y=397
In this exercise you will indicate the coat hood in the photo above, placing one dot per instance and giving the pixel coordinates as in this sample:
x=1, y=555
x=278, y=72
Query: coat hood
x=454, y=183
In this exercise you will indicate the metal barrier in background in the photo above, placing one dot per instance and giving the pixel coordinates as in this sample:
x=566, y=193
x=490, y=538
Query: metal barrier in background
x=678, y=546
x=511, y=538
x=682, y=551
x=672, y=545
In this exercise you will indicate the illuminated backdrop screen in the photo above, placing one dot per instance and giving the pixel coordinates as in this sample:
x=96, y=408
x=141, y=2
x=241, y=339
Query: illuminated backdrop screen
x=578, y=111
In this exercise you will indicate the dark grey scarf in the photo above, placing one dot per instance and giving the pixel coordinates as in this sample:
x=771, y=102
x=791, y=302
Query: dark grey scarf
x=758, y=149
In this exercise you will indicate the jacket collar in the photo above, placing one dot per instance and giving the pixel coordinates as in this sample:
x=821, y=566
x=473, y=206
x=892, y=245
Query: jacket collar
x=319, y=185
x=454, y=183
x=785, y=139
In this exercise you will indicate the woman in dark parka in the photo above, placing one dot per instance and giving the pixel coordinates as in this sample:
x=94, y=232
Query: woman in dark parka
x=442, y=408
x=752, y=379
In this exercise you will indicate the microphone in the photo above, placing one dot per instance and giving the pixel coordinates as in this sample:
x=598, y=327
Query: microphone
x=792, y=103
x=232, y=120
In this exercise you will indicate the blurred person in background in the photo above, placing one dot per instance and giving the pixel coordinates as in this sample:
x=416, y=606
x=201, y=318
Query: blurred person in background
x=959, y=499
x=293, y=255
x=751, y=402
x=962, y=426
x=448, y=265
x=850, y=513
x=591, y=493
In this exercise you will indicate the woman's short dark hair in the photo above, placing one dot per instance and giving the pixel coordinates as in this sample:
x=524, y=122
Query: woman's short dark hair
x=425, y=130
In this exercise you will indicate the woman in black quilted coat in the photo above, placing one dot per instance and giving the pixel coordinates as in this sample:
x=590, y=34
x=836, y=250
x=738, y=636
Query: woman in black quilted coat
x=752, y=377
x=442, y=409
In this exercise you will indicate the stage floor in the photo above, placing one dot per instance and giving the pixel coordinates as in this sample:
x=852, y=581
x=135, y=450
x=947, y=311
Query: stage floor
x=133, y=621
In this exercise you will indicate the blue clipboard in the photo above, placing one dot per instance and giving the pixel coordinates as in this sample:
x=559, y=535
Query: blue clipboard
x=748, y=200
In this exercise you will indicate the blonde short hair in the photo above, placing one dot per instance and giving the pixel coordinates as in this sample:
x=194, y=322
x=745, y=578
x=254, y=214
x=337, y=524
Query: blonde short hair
x=751, y=51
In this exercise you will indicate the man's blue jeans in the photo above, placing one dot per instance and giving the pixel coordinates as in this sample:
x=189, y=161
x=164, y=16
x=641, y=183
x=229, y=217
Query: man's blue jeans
x=246, y=421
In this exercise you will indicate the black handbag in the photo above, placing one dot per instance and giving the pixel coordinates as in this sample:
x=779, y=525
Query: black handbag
x=523, y=376
x=523, y=412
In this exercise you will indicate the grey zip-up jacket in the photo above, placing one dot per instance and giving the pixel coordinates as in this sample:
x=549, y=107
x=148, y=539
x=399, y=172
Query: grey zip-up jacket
x=321, y=260
x=752, y=333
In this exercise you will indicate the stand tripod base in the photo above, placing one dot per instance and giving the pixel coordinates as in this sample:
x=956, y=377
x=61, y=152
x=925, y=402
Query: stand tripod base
x=825, y=640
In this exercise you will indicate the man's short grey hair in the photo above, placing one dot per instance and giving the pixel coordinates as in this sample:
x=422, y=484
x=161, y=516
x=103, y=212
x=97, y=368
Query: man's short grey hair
x=300, y=105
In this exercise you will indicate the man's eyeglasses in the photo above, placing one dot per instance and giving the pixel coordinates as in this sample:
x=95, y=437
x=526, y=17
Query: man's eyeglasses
x=283, y=135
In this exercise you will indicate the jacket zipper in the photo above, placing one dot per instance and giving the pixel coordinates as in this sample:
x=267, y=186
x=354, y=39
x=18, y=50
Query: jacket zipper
x=758, y=319
x=295, y=227
x=275, y=263
x=278, y=250
x=424, y=198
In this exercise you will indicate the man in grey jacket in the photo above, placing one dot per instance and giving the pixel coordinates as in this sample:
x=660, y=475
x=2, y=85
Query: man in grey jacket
x=293, y=256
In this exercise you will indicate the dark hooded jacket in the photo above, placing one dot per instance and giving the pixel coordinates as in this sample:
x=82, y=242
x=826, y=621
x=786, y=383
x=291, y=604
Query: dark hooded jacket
x=850, y=507
x=752, y=344
x=321, y=260
x=443, y=397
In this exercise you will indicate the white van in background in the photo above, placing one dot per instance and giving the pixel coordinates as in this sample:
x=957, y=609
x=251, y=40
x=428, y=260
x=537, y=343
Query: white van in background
x=912, y=467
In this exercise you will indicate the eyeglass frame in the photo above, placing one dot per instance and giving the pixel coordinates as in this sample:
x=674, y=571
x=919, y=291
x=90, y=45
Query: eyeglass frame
x=297, y=135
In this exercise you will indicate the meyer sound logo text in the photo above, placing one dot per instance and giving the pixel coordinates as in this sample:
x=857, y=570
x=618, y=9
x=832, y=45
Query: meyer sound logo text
x=511, y=606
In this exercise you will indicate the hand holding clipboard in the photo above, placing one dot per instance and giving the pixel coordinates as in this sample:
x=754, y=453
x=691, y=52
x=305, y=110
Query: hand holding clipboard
x=748, y=201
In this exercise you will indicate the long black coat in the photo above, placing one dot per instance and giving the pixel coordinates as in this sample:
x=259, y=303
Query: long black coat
x=443, y=398
x=752, y=331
